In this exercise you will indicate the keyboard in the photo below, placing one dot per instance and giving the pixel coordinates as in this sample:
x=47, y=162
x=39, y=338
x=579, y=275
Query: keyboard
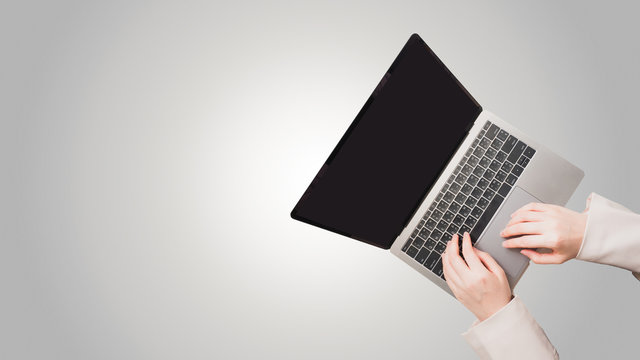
x=471, y=196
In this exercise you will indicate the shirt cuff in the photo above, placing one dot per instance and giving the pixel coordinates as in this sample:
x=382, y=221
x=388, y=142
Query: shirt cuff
x=510, y=333
x=611, y=235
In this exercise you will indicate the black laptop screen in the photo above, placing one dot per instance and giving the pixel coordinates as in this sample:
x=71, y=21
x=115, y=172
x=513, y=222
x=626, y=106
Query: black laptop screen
x=393, y=152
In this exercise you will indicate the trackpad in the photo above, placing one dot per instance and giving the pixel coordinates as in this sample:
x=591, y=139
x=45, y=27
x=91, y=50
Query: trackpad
x=511, y=260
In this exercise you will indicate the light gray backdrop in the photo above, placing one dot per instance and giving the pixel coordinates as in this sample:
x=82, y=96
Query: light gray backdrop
x=151, y=154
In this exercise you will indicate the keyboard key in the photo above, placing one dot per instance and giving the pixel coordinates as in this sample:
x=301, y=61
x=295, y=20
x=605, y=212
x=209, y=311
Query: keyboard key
x=470, y=221
x=437, y=269
x=496, y=144
x=466, y=170
x=471, y=202
x=469, y=152
x=424, y=233
x=454, y=207
x=491, y=152
x=488, y=194
x=478, y=171
x=484, y=162
x=484, y=220
x=507, y=166
x=454, y=188
x=484, y=143
x=430, y=224
x=504, y=190
x=529, y=152
x=475, y=143
x=437, y=214
x=457, y=169
x=523, y=161
x=517, y=170
x=486, y=125
x=426, y=215
x=422, y=255
x=415, y=232
x=501, y=175
x=432, y=206
x=435, y=235
x=451, y=178
x=472, y=180
x=406, y=245
x=477, y=192
x=421, y=223
x=482, y=203
x=461, y=178
x=465, y=210
x=495, y=185
x=502, y=135
x=492, y=131
x=442, y=206
x=501, y=156
x=448, y=216
x=473, y=161
x=511, y=179
x=448, y=197
x=466, y=189
x=483, y=183
x=418, y=242
x=478, y=152
x=464, y=229
x=432, y=260
x=495, y=165
x=516, y=152
x=476, y=212
x=412, y=251
x=489, y=174
x=440, y=247
x=442, y=226
x=452, y=229
x=439, y=197
x=509, y=144
x=460, y=198
x=430, y=244
x=458, y=220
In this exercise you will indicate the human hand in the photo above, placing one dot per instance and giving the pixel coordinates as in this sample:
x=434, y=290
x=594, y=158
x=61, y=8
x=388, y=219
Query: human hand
x=547, y=226
x=479, y=284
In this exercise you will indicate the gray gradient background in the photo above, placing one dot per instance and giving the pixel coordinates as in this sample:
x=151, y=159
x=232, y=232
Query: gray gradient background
x=151, y=153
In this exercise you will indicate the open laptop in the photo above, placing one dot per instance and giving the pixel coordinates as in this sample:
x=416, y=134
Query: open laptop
x=423, y=161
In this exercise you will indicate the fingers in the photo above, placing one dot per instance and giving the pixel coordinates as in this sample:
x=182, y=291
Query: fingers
x=533, y=206
x=450, y=274
x=453, y=253
x=469, y=255
x=489, y=262
x=538, y=258
x=525, y=216
x=527, y=241
x=527, y=228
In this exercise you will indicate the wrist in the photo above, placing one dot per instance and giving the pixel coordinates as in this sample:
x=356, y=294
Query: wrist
x=486, y=313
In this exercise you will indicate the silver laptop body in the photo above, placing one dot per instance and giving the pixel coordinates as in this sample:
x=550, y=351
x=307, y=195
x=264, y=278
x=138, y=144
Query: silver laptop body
x=547, y=178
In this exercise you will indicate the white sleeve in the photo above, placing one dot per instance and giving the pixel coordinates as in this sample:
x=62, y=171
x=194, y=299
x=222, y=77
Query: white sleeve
x=612, y=235
x=510, y=333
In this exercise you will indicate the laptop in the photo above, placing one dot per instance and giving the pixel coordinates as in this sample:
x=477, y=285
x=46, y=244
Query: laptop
x=423, y=161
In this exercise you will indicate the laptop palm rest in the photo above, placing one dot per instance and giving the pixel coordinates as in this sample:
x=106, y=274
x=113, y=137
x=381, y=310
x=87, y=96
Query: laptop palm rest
x=490, y=241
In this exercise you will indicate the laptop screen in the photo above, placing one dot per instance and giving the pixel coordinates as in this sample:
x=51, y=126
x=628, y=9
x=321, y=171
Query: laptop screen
x=393, y=152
